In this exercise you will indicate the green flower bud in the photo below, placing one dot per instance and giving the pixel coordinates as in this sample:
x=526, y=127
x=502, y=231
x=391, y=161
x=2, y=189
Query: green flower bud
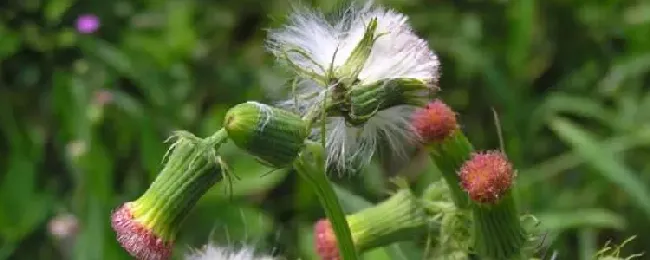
x=273, y=135
x=147, y=227
x=399, y=218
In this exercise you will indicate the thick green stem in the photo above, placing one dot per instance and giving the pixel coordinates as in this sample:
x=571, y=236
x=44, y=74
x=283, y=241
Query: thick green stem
x=191, y=169
x=497, y=230
x=449, y=156
x=310, y=165
x=399, y=218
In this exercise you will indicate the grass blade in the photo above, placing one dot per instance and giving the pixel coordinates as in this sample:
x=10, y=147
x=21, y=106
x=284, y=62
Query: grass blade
x=603, y=160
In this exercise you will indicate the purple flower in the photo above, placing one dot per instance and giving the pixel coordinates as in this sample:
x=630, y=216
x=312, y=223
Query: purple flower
x=87, y=23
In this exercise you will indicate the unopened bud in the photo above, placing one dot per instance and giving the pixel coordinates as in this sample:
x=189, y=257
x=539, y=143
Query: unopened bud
x=273, y=135
x=488, y=179
x=435, y=122
x=447, y=145
x=399, y=218
x=325, y=241
x=147, y=227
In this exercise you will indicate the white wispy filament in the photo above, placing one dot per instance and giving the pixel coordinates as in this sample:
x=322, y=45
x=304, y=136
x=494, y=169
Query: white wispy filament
x=213, y=252
x=315, y=47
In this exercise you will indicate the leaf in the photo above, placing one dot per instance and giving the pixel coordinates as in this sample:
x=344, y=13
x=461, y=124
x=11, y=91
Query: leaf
x=603, y=161
x=582, y=218
x=586, y=107
x=227, y=222
x=9, y=42
x=54, y=9
x=558, y=164
x=636, y=65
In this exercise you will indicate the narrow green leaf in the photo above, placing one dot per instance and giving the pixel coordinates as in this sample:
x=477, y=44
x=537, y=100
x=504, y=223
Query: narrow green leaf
x=582, y=218
x=603, y=160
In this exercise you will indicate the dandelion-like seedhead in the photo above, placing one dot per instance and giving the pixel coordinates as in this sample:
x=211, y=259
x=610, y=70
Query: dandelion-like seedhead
x=358, y=69
x=215, y=252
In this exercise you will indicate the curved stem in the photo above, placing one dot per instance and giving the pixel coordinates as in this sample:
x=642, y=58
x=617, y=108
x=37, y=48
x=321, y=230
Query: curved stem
x=310, y=165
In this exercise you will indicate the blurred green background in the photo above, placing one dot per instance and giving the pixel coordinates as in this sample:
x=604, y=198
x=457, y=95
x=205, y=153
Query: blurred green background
x=83, y=117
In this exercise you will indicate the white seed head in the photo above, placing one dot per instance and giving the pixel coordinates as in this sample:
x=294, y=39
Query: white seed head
x=397, y=53
x=349, y=148
x=315, y=47
x=214, y=252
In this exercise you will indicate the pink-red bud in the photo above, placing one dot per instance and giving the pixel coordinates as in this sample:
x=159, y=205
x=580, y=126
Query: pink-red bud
x=435, y=122
x=325, y=241
x=137, y=239
x=487, y=176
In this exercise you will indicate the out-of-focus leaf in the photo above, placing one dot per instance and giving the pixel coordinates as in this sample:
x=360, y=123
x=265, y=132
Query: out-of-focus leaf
x=225, y=222
x=22, y=207
x=54, y=9
x=581, y=218
x=559, y=103
x=6, y=250
x=9, y=42
x=558, y=164
x=522, y=15
x=635, y=65
x=603, y=160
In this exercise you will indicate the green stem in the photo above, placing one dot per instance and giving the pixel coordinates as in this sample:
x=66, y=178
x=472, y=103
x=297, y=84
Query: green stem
x=449, y=156
x=497, y=230
x=399, y=218
x=191, y=169
x=310, y=165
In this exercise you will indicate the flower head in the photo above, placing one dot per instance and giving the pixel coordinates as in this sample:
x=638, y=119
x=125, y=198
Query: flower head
x=435, y=122
x=147, y=227
x=360, y=70
x=214, y=252
x=137, y=239
x=487, y=177
x=87, y=23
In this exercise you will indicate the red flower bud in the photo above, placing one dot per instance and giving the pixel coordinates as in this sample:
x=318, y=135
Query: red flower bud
x=325, y=240
x=486, y=177
x=435, y=122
